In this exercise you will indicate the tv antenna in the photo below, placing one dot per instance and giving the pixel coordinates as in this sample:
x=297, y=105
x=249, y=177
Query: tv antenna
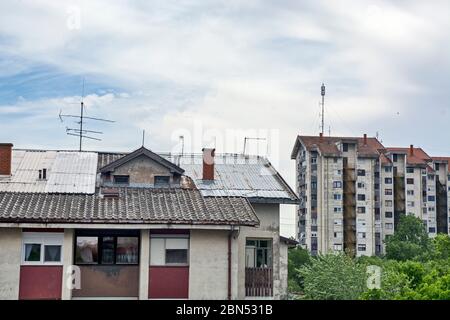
x=250, y=138
x=322, y=93
x=81, y=132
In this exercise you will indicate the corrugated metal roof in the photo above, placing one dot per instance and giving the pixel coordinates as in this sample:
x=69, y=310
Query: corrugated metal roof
x=67, y=172
x=237, y=175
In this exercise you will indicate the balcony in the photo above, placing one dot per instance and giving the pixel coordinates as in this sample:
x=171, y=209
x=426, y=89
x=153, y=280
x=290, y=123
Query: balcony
x=349, y=175
x=258, y=282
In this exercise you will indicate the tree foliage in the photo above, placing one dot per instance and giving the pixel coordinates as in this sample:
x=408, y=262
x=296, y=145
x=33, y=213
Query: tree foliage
x=333, y=277
x=410, y=240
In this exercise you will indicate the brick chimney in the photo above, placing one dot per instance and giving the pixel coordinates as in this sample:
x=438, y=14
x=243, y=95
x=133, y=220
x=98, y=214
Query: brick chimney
x=208, y=163
x=5, y=158
x=365, y=139
x=321, y=137
x=411, y=150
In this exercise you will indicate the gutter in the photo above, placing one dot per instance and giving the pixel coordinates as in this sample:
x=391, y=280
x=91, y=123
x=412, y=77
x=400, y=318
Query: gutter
x=230, y=234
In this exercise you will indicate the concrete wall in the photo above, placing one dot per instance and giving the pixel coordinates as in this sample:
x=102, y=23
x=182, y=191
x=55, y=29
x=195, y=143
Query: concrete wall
x=208, y=264
x=269, y=216
x=142, y=170
x=10, y=251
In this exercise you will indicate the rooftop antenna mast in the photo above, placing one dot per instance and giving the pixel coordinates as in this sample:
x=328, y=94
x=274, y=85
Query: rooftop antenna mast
x=249, y=138
x=322, y=92
x=81, y=132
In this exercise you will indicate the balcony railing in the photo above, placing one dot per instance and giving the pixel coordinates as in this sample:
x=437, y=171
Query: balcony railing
x=258, y=282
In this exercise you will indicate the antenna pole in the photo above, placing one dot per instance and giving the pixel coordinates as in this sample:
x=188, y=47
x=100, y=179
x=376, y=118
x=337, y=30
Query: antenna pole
x=143, y=137
x=81, y=124
x=322, y=92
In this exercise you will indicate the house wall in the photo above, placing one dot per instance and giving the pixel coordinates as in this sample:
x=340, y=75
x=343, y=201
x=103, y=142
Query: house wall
x=208, y=264
x=269, y=216
x=10, y=251
x=142, y=170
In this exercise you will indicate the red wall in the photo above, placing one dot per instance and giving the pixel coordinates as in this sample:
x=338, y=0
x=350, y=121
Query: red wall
x=168, y=282
x=40, y=282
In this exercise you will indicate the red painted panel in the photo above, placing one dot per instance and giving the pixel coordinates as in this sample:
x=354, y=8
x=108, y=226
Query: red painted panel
x=40, y=282
x=168, y=282
x=169, y=231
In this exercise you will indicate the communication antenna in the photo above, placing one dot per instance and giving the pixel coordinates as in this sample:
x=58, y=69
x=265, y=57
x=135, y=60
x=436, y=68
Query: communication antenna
x=249, y=138
x=143, y=137
x=182, y=144
x=81, y=132
x=322, y=92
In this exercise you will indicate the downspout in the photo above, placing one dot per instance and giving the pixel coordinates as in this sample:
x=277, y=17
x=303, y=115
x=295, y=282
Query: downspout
x=229, y=262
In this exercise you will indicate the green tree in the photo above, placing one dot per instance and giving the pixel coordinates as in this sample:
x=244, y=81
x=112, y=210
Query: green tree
x=410, y=240
x=333, y=277
x=297, y=257
x=441, y=246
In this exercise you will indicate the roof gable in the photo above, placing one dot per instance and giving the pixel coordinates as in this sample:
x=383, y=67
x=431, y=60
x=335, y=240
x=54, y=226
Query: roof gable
x=142, y=152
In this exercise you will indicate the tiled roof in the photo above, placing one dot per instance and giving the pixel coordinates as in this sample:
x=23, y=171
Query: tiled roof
x=327, y=145
x=252, y=177
x=134, y=205
x=419, y=156
x=67, y=172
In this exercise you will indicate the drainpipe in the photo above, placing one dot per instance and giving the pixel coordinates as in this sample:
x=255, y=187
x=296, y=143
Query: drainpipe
x=229, y=262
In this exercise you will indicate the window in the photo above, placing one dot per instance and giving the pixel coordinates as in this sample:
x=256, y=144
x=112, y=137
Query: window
x=431, y=209
x=107, y=249
x=42, y=248
x=431, y=198
x=388, y=180
x=338, y=234
x=258, y=253
x=119, y=179
x=388, y=214
x=337, y=222
x=388, y=203
x=162, y=181
x=361, y=185
x=337, y=209
x=361, y=235
x=345, y=147
x=337, y=196
x=409, y=170
x=389, y=226
x=361, y=172
x=410, y=192
x=387, y=169
x=410, y=181
x=388, y=192
x=337, y=247
x=335, y=160
x=361, y=197
x=361, y=209
x=394, y=157
x=337, y=184
x=432, y=230
x=436, y=166
x=169, y=250
x=410, y=203
x=313, y=160
x=361, y=247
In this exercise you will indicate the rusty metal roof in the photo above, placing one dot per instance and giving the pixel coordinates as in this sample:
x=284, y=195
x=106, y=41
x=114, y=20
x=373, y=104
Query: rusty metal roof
x=132, y=205
x=252, y=177
x=67, y=172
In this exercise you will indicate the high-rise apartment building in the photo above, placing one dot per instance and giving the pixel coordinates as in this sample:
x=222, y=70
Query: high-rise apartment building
x=353, y=190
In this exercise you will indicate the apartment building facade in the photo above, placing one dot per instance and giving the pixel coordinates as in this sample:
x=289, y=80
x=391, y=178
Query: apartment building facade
x=353, y=191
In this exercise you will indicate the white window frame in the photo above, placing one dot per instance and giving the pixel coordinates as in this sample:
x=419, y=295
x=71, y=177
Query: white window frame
x=170, y=236
x=43, y=239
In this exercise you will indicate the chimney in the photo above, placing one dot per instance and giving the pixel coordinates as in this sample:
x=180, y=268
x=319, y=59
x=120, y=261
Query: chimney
x=411, y=150
x=321, y=137
x=208, y=163
x=5, y=158
x=365, y=139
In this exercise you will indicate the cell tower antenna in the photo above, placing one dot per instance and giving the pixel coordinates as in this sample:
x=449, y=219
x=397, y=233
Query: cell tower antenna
x=322, y=93
x=81, y=132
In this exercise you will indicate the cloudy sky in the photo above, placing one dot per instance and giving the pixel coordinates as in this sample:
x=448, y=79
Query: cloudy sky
x=211, y=70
